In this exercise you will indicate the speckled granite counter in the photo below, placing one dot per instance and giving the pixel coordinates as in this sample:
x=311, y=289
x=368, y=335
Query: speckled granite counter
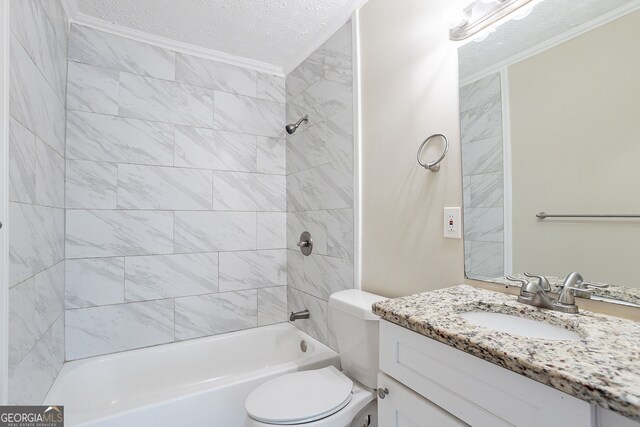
x=602, y=368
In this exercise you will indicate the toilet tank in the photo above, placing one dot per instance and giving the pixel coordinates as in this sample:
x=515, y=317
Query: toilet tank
x=356, y=329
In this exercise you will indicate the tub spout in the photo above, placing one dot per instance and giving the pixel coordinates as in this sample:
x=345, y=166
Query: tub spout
x=304, y=314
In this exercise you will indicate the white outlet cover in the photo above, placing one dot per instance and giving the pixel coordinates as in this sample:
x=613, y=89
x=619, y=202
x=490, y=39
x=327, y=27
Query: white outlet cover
x=452, y=226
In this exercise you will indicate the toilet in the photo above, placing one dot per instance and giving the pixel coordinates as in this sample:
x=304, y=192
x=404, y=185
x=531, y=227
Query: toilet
x=328, y=397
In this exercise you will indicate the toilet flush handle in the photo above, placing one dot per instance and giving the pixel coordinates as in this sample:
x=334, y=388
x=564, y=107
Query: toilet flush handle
x=382, y=392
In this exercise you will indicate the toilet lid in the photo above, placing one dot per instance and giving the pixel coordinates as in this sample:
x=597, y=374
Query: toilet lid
x=300, y=397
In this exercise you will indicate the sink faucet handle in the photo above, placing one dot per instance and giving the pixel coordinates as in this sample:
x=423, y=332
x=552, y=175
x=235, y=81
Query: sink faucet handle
x=593, y=285
x=542, y=281
x=516, y=279
x=575, y=280
x=568, y=294
x=528, y=290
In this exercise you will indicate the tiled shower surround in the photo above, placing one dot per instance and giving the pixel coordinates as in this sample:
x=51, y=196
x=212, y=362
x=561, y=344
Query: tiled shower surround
x=483, y=180
x=175, y=196
x=154, y=197
x=320, y=181
x=38, y=64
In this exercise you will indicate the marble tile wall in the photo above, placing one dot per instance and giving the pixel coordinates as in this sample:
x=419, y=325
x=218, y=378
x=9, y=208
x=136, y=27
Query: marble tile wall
x=175, y=195
x=38, y=76
x=320, y=182
x=483, y=178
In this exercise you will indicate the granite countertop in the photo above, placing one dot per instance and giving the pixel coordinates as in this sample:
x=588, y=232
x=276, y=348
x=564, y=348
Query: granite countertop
x=602, y=368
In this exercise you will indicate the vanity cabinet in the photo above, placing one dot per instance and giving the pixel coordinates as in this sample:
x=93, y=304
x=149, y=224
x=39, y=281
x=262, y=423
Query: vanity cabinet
x=606, y=418
x=432, y=384
x=403, y=407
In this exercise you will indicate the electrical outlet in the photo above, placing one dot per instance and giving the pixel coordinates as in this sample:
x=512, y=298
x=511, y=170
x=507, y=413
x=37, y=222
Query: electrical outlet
x=452, y=223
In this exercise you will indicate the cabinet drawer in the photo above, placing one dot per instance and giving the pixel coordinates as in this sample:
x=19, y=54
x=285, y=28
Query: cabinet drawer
x=403, y=407
x=473, y=390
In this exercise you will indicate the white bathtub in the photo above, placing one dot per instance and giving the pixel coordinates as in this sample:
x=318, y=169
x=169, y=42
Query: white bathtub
x=202, y=382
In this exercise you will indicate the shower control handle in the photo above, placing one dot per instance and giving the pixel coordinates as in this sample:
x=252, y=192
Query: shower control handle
x=306, y=243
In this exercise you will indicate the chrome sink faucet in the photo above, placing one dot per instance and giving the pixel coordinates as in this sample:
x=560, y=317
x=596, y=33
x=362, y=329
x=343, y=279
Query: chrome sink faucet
x=575, y=280
x=533, y=294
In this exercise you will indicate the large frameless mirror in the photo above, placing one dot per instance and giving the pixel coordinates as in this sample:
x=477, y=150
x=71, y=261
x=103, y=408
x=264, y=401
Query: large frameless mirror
x=549, y=108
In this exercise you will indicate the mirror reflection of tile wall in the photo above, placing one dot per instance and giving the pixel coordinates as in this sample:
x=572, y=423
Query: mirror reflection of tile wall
x=483, y=177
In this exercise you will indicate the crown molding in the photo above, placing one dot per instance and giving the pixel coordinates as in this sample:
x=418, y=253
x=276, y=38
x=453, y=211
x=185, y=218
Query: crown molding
x=324, y=34
x=77, y=17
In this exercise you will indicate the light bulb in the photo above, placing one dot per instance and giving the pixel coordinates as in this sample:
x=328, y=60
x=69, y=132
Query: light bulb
x=522, y=13
x=483, y=35
x=525, y=10
x=456, y=18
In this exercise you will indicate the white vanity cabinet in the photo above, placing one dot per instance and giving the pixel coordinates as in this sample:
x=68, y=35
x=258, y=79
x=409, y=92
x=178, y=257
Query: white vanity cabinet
x=403, y=407
x=432, y=384
x=606, y=418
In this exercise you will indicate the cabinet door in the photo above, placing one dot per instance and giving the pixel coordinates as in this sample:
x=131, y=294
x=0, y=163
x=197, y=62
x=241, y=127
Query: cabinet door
x=607, y=418
x=471, y=389
x=405, y=408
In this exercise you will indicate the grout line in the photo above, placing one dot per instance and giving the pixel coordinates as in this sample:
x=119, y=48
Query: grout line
x=213, y=190
x=209, y=252
x=151, y=120
x=173, y=239
x=218, y=269
x=40, y=338
x=195, y=168
x=37, y=205
x=257, y=307
x=117, y=186
x=64, y=357
x=174, y=319
x=166, y=210
x=28, y=129
x=37, y=273
x=124, y=279
x=175, y=79
x=173, y=164
x=49, y=84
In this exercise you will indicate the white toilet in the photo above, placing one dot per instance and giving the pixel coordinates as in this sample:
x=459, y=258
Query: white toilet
x=327, y=397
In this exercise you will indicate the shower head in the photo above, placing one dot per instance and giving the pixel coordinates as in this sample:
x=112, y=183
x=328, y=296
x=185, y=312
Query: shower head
x=292, y=127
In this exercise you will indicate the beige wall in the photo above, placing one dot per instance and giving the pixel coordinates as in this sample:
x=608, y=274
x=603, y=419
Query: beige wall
x=409, y=89
x=409, y=78
x=575, y=149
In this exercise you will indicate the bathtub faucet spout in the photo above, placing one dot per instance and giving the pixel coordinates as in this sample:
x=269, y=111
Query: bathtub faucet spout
x=304, y=314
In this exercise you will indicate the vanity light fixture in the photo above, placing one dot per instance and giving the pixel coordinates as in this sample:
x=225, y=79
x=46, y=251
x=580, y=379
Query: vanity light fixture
x=483, y=13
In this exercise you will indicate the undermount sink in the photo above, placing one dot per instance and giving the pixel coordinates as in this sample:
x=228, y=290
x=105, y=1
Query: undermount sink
x=519, y=326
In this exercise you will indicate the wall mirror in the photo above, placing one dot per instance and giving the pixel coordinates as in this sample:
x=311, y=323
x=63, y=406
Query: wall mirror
x=550, y=123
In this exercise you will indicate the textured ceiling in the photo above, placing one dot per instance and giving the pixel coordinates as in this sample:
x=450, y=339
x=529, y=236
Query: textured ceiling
x=270, y=31
x=547, y=20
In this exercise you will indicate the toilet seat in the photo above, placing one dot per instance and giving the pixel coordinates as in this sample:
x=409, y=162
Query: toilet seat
x=300, y=397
